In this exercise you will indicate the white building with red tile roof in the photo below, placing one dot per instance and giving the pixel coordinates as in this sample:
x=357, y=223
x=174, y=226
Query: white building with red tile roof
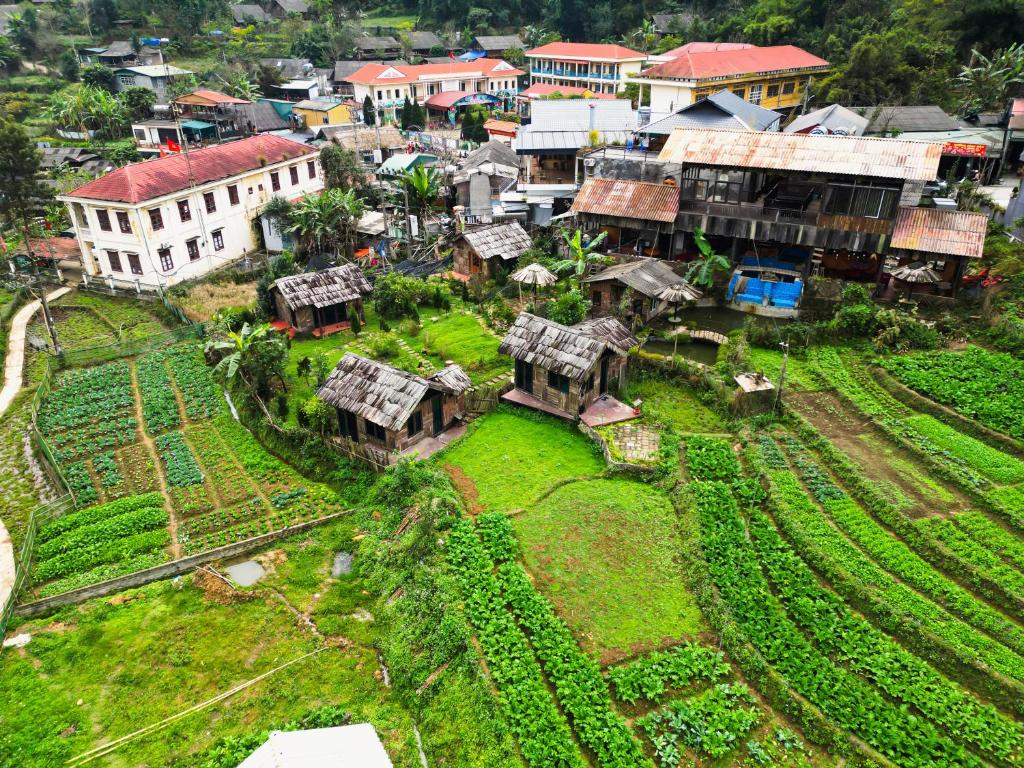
x=597, y=67
x=178, y=217
x=388, y=85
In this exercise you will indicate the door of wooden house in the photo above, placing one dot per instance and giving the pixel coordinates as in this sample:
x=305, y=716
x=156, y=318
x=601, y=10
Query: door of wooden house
x=347, y=424
x=524, y=376
x=437, y=406
x=604, y=376
x=333, y=313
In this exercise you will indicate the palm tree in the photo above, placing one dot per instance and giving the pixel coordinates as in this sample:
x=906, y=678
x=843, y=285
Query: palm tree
x=643, y=38
x=241, y=87
x=580, y=256
x=328, y=220
x=534, y=35
x=423, y=185
x=702, y=270
x=986, y=82
x=251, y=356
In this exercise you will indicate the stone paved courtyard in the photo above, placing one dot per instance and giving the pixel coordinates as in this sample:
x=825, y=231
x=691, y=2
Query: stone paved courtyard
x=638, y=443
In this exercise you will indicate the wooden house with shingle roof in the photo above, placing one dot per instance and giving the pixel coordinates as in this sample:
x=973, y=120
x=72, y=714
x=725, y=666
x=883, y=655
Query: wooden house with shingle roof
x=566, y=368
x=479, y=250
x=319, y=302
x=389, y=409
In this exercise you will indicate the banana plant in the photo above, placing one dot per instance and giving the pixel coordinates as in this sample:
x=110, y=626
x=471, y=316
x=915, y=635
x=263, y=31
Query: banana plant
x=702, y=270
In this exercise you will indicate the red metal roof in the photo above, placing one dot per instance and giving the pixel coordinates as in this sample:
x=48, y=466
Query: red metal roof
x=370, y=74
x=698, y=47
x=213, y=97
x=701, y=64
x=166, y=175
x=546, y=89
x=586, y=51
x=931, y=230
x=639, y=200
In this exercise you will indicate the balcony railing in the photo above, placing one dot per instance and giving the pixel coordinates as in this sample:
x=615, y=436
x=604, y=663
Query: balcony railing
x=756, y=210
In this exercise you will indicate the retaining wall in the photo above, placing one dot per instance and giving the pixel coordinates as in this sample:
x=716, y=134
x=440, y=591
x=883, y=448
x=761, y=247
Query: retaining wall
x=164, y=571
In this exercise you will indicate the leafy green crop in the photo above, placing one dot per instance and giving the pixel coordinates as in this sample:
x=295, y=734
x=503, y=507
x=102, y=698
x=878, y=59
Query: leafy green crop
x=651, y=676
x=179, y=464
x=711, y=459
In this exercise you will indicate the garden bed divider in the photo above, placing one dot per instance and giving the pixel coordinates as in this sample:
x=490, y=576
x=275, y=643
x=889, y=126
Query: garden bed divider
x=165, y=570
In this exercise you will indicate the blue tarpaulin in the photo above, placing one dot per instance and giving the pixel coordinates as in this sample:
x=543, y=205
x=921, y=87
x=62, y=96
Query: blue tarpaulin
x=472, y=55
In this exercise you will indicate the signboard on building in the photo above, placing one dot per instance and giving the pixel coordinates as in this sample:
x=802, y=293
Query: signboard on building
x=961, y=149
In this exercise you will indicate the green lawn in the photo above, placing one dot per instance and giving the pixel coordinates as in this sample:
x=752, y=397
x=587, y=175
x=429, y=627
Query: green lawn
x=511, y=458
x=673, y=403
x=605, y=552
x=98, y=672
x=798, y=371
x=388, y=21
x=459, y=337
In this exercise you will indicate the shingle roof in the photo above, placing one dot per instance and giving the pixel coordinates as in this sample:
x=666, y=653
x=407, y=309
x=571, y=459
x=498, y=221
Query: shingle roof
x=845, y=155
x=931, y=230
x=263, y=116
x=497, y=152
x=245, y=12
x=118, y=48
x=567, y=350
x=381, y=393
x=641, y=200
x=611, y=331
x=323, y=288
x=906, y=119
x=376, y=43
x=648, y=276
x=498, y=42
x=608, y=51
x=699, y=64
x=292, y=6
x=423, y=40
x=451, y=379
x=166, y=175
x=719, y=110
x=838, y=119
x=506, y=241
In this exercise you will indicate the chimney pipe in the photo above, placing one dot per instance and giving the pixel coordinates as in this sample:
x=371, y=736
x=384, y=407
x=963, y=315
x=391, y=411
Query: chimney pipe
x=592, y=107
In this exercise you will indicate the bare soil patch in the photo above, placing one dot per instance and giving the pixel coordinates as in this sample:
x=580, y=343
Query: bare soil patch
x=466, y=488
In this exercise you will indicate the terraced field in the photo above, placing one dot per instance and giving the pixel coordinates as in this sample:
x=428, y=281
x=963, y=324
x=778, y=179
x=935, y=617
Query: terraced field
x=159, y=469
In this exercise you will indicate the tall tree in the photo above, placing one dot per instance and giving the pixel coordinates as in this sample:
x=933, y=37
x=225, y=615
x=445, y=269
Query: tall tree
x=102, y=14
x=369, y=114
x=20, y=185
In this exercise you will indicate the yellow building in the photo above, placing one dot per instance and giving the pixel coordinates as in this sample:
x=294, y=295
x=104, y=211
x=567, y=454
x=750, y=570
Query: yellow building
x=775, y=77
x=317, y=112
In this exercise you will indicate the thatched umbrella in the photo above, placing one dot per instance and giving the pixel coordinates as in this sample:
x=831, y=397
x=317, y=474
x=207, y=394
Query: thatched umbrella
x=676, y=294
x=535, y=275
x=915, y=273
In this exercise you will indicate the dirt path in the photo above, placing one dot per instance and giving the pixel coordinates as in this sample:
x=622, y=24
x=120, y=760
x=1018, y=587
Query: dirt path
x=899, y=474
x=147, y=441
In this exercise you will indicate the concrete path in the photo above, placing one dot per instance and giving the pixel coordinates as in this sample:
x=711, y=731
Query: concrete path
x=14, y=366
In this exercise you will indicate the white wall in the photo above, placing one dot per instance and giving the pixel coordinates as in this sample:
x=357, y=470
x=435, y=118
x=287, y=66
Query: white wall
x=668, y=97
x=233, y=221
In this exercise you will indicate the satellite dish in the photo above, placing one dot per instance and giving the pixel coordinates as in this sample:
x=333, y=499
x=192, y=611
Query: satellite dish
x=842, y=132
x=819, y=130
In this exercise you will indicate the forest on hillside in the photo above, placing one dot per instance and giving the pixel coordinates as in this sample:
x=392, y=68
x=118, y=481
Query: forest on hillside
x=965, y=55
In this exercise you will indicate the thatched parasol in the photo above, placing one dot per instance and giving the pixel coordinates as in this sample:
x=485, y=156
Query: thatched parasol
x=915, y=273
x=677, y=294
x=535, y=275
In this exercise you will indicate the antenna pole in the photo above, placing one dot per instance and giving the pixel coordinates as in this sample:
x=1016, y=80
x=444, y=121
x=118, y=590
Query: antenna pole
x=782, y=375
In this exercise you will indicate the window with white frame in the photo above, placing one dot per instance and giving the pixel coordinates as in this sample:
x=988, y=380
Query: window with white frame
x=755, y=94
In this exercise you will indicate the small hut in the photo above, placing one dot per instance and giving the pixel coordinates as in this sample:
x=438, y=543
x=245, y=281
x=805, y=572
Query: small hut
x=644, y=278
x=319, y=302
x=562, y=369
x=480, y=249
x=391, y=409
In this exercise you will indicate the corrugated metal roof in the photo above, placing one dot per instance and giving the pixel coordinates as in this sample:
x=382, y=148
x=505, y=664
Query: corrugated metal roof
x=640, y=200
x=845, y=155
x=837, y=118
x=580, y=115
x=723, y=110
x=566, y=141
x=931, y=230
x=906, y=119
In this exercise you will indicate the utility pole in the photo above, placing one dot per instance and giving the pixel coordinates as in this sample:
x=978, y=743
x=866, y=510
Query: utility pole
x=782, y=375
x=47, y=317
x=408, y=224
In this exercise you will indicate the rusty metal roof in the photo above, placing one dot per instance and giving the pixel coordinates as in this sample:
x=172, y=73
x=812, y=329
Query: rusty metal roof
x=628, y=199
x=844, y=155
x=931, y=230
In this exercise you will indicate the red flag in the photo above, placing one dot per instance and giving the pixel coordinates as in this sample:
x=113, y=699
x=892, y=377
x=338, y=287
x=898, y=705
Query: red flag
x=173, y=146
x=451, y=55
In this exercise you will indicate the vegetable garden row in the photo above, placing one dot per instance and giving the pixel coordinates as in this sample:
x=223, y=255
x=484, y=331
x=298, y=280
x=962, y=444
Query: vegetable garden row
x=188, y=466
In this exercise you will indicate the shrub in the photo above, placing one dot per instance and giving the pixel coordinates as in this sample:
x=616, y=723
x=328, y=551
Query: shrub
x=396, y=295
x=569, y=308
x=381, y=345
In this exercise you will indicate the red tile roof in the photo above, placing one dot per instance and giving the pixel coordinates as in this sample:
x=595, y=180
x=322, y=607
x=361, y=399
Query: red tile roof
x=546, y=89
x=166, y=175
x=936, y=231
x=370, y=74
x=586, y=51
x=744, y=61
x=215, y=97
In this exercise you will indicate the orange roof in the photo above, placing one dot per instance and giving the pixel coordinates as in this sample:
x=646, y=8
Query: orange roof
x=203, y=96
x=155, y=178
x=586, y=51
x=702, y=64
x=371, y=74
x=627, y=199
x=501, y=126
x=931, y=230
x=546, y=89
